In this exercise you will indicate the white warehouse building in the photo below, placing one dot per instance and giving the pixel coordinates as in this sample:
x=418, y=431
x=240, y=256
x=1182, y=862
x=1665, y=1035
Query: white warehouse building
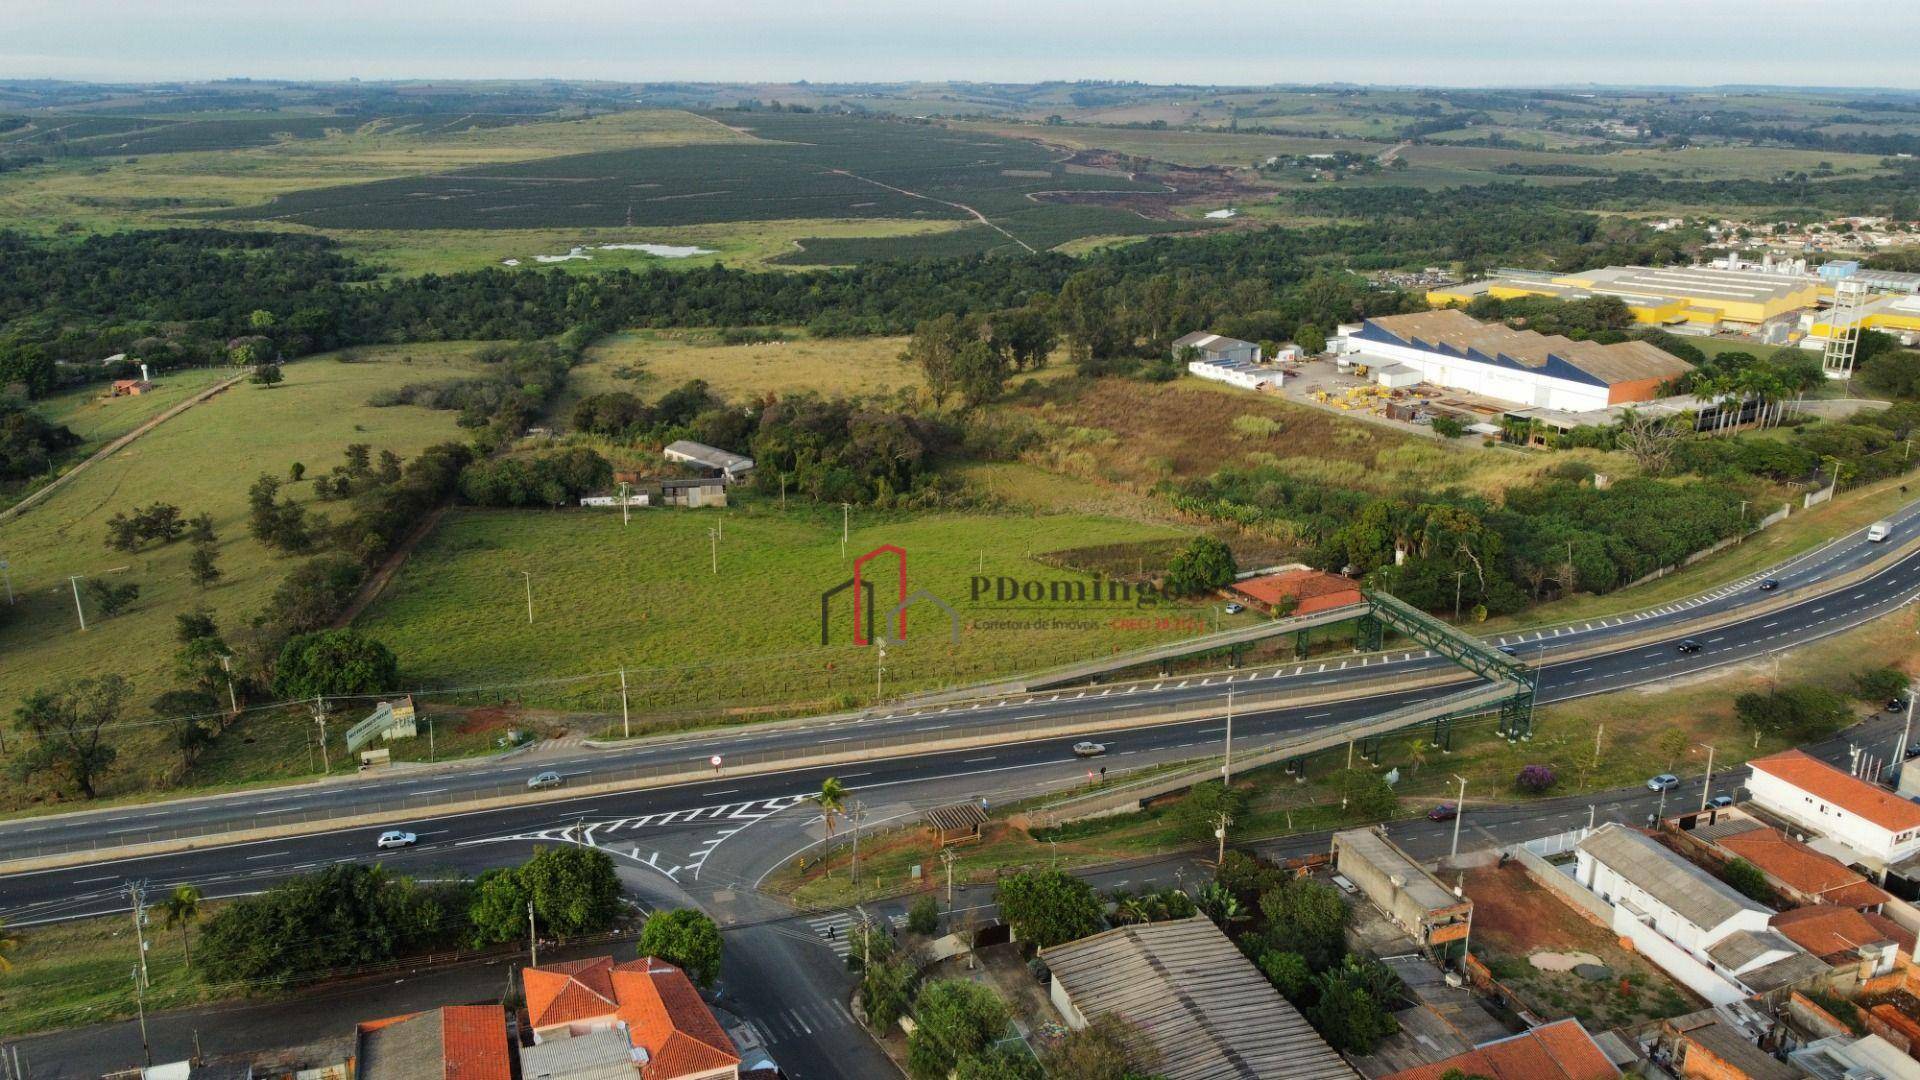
x=1452, y=349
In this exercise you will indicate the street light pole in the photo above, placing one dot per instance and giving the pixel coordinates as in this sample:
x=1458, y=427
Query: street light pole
x=1220, y=824
x=1459, y=811
x=1707, y=785
x=320, y=718
x=74, y=581
x=879, y=664
x=1906, y=733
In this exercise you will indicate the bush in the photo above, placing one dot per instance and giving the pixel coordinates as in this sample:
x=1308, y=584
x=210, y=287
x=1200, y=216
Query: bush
x=1448, y=427
x=956, y=1020
x=1306, y=917
x=1749, y=879
x=1204, y=565
x=1880, y=684
x=1047, y=907
x=684, y=937
x=1535, y=779
x=1796, y=713
x=1198, y=811
x=340, y=918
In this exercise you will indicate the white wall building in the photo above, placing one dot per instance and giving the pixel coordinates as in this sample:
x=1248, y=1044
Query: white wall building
x=1692, y=924
x=1878, y=828
x=1216, y=347
x=1452, y=349
x=1235, y=373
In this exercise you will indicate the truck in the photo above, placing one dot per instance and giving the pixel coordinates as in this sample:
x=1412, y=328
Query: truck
x=1879, y=531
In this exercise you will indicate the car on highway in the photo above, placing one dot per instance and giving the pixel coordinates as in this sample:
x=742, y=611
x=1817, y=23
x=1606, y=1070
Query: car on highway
x=1089, y=749
x=1446, y=811
x=1687, y=646
x=1879, y=531
x=394, y=838
x=1664, y=782
x=1719, y=802
x=1895, y=704
x=1770, y=584
x=1235, y=609
x=544, y=780
x=1510, y=650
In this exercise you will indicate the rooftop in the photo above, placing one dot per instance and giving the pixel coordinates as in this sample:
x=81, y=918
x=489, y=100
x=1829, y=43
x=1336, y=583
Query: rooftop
x=1386, y=856
x=1558, y=1051
x=1849, y=793
x=1313, y=590
x=710, y=456
x=1200, y=339
x=1695, y=282
x=1835, y=934
x=595, y=1055
x=1726, y=1042
x=1742, y=947
x=1802, y=868
x=663, y=1012
x=1696, y=895
x=1452, y=331
x=1208, y=1010
x=458, y=1042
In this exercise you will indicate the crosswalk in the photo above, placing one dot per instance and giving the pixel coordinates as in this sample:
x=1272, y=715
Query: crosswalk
x=834, y=930
x=803, y=1020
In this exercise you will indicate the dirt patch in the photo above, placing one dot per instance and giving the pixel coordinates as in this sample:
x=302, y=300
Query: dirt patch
x=1562, y=961
x=487, y=718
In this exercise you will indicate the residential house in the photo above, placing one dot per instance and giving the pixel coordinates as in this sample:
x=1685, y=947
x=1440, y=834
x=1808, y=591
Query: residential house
x=457, y=1042
x=710, y=491
x=1842, y=815
x=1695, y=926
x=594, y=1055
x=1561, y=1050
x=726, y=464
x=671, y=1032
x=1843, y=1057
x=1296, y=592
x=129, y=388
x=1715, y=1045
x=1794, y=870
x=1206, y=1008
x=1843, y=937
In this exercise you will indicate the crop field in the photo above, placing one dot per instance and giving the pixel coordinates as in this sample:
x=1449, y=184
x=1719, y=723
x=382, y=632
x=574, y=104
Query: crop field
x=647, y=596
x=805, y=166
x=202, y=460
x=648, y=363
x=118, y=135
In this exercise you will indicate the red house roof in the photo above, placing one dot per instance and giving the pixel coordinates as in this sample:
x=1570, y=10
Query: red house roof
x=1850, y=793
x=1558, y=1051
x=1313, y=590
x=457, y=1042
x=1805, y=869
x=1835, y=934
x=658, y=1003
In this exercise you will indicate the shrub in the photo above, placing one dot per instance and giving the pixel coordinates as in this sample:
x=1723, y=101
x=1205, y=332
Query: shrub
x=924, y=916
x=1880, y=684
x=327, y=663
x=1535, y=779
x=685, y=937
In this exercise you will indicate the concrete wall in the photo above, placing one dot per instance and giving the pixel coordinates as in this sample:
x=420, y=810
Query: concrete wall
x=1563, y=885
x=1675, y=961
x=1472, y=376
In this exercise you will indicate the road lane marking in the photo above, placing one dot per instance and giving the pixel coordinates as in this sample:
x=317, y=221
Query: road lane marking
x=269, y=855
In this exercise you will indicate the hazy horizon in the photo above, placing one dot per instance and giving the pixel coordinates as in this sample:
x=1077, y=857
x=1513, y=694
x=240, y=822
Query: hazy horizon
x=1494, y=43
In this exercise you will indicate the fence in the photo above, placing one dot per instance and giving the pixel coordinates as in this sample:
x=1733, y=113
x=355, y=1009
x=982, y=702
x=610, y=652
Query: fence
x=1563, y=885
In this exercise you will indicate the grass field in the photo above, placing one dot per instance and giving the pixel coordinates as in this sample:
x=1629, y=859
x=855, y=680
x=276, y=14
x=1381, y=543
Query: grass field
x=79, y=973
x=202, y=460
x=645, y=596
x=828, y=366
x=99, y=419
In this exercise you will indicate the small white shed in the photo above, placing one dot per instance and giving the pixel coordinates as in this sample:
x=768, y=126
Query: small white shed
x=1396, y=376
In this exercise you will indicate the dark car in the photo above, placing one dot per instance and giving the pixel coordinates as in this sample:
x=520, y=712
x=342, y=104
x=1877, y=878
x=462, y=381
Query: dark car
x=1769, y=584
x=1688, y=645
x=1446, y=811
x=1720, y=802
x=1509, y=650
x=1896, y=705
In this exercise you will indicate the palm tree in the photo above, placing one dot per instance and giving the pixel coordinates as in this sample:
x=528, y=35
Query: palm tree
x=181, y=908
x=833, y=799
x=9, y=941
x=1416, y=753
x=1220, y=904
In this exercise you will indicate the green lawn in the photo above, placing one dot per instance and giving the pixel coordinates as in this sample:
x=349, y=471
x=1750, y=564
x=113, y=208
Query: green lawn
x=99, y=419
x=78, y=973
x=202, y=460
x=646, y=596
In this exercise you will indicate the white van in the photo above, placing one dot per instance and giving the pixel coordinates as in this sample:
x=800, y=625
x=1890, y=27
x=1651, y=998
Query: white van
x=1879, y=531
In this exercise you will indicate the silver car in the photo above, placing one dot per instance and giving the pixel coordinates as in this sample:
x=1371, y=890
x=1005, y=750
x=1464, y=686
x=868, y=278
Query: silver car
x=544, y=780
x=394, y=838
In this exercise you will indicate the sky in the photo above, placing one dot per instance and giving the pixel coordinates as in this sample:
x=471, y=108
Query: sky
x=1427, y=42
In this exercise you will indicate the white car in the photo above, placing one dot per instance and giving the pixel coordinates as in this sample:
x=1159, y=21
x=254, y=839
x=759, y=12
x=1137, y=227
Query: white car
x=394, y=838
x=544, y=780
x=1089, y=749
x=1235, y=609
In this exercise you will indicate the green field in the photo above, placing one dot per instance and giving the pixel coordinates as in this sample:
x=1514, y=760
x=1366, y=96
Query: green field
x=645, y=596
x=201, y=460
x=99, y=419
x=651, y=362
x=805, y=166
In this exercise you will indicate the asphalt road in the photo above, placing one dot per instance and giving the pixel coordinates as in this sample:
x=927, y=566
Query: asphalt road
x=123, y=826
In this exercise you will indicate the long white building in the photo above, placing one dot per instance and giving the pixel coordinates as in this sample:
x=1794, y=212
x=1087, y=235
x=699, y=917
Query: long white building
x=1871, y=825
x=1452, y=349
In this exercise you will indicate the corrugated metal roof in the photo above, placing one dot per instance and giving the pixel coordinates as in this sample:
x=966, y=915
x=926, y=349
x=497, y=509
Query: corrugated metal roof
x=1743, y=947
x=1698, y=897
x=1211, y=1014
x=1625, y=361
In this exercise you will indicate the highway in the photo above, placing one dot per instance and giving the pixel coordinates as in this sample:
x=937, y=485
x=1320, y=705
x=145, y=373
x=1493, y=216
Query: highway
x=895, y=732
x=646, y=825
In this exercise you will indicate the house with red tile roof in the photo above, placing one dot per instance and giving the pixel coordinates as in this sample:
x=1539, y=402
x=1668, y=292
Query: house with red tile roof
x=1796, y=871
x=673, y=1034
x=457, y=1042
x=1837, y=935
x=1561, y=1050
x=1296, y=592
x=1878, y=827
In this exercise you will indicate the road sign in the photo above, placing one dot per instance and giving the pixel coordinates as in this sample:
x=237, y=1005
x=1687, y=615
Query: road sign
x=715, y=762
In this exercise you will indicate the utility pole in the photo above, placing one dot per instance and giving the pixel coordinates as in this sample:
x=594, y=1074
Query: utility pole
x=1592, y=810
x=429, y=738
x=879, y=664
x=1706, y=785
x=626, y=725
x=74, y=581
x=140, y=1006
x=1458, y=577
x=853, y=870
x=533, y=937
x=713, y=548
x=1906, y=733
x=846, y=510
x=320, y=718
x=1226, y=768
x=528, y=574
x=1459, y=811
x=226, y=665
x=137, y=892
x=623, y=503
x=1220, y=824
x=946, y=859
